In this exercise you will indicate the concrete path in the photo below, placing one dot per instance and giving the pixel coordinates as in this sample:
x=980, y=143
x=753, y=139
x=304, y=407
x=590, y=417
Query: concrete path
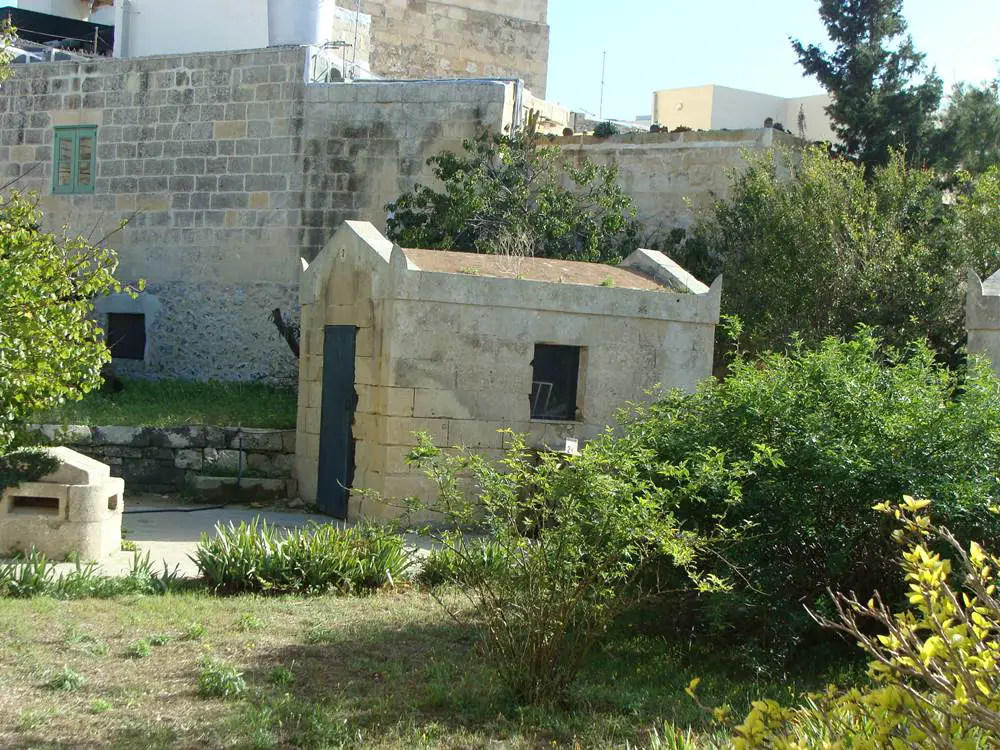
x=169, y=531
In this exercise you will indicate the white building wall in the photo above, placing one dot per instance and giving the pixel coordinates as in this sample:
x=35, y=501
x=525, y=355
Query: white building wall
x=818, y=126
x=721, y=107
x=155, y=27
x=736, y=109
x=65, y=8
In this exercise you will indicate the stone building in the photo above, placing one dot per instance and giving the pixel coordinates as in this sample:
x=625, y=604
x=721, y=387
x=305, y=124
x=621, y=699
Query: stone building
x=393, y=39
x=461, y=345
x=229, y=168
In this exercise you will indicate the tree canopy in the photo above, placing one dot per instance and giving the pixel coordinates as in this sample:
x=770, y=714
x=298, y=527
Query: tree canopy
x=969, y=135
x=833, y=245
x=882, y=96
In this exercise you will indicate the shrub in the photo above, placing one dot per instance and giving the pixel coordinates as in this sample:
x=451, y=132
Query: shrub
x=809, y=245
x=571, y=540
x=606, y=129
x=506, y=189
x=843, y=426
x=933, y=668
x=256, y=557
x=35, y=575
x=51, y=347
x=139, y=649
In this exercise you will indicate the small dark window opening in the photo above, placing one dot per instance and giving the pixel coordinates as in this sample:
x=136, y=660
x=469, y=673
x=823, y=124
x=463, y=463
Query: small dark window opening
x=35, y=505
x=555, y=373
x=126, y=335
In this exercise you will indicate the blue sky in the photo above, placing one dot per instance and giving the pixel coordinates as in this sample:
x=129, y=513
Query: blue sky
x=660, y=44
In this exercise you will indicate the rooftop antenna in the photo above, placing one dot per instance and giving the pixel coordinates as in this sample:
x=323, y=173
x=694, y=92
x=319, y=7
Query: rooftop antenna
x=604, y=68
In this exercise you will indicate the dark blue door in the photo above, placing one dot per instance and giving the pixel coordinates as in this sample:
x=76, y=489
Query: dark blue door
x=336, y=444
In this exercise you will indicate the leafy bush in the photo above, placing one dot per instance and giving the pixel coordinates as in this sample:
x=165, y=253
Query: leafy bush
x=606, y=129
x=571, y=537
x=934, y=668
x=256, y=557
x=506, y=194
x=51, y=348
x=812, y=246
x=841, y=427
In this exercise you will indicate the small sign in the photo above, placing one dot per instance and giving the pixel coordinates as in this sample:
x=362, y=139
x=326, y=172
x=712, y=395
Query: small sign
x=572, y=446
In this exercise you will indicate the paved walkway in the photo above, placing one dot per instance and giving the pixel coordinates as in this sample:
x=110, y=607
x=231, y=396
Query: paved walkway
x=169, y=531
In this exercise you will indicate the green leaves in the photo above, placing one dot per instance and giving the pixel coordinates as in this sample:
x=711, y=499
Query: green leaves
x=507, y=194
x=825, y=433
x=882, y=98
x=51, y=349
x=832, y=247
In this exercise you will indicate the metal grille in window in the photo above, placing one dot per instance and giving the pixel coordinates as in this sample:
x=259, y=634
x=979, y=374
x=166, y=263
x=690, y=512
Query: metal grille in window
x=126, y=335
x=555, y=373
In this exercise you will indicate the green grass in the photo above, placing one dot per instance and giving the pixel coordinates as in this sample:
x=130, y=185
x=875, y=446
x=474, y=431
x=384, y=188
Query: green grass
x=390, y=670
x=170, y=403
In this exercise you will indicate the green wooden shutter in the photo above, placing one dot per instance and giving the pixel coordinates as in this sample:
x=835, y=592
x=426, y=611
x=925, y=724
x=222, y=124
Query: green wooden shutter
x=74, y=163
x=62, y=165
x=86, y=159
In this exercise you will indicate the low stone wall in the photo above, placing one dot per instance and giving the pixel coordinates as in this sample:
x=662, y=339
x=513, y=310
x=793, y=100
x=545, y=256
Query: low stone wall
x=172, y=458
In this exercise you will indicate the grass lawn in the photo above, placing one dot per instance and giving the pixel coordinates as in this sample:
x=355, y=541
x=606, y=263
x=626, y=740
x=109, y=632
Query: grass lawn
x=168, y=403
x=387, y=671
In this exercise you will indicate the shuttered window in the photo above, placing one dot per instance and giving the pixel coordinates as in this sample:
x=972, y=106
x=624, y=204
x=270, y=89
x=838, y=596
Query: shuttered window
x=75, y=160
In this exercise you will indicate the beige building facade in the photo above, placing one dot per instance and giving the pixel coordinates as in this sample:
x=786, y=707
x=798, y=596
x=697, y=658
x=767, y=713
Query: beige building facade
x=723, y=108
x=461, y=345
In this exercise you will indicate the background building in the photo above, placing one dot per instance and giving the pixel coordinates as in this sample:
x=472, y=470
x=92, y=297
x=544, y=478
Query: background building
x=722, y=108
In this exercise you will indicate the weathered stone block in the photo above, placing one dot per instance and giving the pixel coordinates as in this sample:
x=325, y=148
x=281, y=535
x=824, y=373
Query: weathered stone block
x=73, y=434
x=223, y=460
x=112, y=435
x=187, y=458
x=258, y=440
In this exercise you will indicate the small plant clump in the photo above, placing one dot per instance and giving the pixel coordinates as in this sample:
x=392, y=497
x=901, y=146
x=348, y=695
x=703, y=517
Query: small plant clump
x=261, y=558
x=281, y=675
x=249, y=622
x=220, y=679
x=193, y=632
x=139, y=649
x=66, y=679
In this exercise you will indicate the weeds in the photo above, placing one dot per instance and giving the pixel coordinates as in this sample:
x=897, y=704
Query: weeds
x=99, y=706
x=139, y=649
x=249, y=622
x=66, y=679
x=281, y=676
x=220, y=679
x=193, y=632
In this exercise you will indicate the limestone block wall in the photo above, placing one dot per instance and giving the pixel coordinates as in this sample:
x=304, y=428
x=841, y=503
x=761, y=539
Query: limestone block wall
x=671, y=177
x=450, y=354
x=460, y=38
x=170, y=459
x=982, y=317
x=228, y=168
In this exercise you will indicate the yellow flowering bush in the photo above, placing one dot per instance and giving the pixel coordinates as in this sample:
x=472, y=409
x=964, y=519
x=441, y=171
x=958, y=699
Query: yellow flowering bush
x=934, y=669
